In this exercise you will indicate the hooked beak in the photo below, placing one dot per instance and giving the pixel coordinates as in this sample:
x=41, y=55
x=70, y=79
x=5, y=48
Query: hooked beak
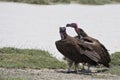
x=68, y=25
x=62, y=36
x=71, y=25
x=62, y=31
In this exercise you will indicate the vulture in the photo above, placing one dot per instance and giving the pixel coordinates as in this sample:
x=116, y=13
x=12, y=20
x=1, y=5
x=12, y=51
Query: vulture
x=75, y=49
x=98, y=47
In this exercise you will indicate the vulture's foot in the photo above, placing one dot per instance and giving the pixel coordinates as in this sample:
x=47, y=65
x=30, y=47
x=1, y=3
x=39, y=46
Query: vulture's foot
x=85, y=71
x=88, y=71
x=72, y=71
x=69, y=71
x=76, y=71
x=82, y=70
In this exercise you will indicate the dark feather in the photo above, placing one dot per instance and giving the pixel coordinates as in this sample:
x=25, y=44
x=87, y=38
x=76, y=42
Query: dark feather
x=93, y=43
x=77, y=51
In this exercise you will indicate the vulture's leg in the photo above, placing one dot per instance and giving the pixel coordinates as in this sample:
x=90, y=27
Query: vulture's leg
x=69, y=64
x=76, y=67
x=83, y=66
x=89, y=68
x=100, y=68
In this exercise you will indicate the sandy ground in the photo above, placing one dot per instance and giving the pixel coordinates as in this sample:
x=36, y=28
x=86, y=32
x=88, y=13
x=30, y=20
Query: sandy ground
x=53, y=74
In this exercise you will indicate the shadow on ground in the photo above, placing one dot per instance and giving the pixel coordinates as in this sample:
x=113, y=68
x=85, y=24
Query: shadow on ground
x=84, y=72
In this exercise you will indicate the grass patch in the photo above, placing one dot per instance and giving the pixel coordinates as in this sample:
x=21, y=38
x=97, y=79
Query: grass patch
x=114, y=70
x=46, y=2
x=39, y=59
x=116, y=0
x=95, y=2
x=28, y=58
x=115, y=64
x=115, y=57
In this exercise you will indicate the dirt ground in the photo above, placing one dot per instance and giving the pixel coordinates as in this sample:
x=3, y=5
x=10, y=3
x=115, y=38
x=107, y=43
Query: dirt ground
x=54, y=74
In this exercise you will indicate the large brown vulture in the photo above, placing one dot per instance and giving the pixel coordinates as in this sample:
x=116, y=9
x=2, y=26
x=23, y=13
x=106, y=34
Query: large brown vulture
x=94, y=43
x=75, y=49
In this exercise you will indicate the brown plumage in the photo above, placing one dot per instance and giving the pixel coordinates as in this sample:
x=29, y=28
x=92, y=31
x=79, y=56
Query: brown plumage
x=94, y=43
x=76, y=49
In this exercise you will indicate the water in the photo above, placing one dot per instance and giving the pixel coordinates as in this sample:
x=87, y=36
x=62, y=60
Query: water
x=36, y=26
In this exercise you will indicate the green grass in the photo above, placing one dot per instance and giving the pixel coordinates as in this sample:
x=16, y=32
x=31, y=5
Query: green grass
x=114, y=70
x=115, y=59
x=39, y=59
x=46, y=2
x=116, y=0
x=96, y=2
x=115, y=64
x=28, y=58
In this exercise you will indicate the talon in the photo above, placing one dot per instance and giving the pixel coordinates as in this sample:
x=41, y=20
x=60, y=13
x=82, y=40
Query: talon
x=68, y=71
